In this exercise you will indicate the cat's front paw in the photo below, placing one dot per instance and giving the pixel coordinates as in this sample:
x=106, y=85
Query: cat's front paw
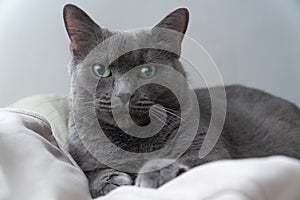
x=155, y=178
x=108, y=180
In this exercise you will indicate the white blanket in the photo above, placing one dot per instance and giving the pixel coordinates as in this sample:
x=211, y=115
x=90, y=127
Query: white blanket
x=34, y=167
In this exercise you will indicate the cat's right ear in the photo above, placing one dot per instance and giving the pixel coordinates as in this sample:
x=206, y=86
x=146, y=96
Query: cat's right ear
x=82, y=30
x=177, y=21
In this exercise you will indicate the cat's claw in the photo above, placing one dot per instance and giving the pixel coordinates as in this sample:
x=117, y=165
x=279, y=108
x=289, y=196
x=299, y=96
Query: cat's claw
x=155, y=179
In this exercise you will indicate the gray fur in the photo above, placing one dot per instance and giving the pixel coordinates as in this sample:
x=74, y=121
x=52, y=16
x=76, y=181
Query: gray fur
x=257, y=124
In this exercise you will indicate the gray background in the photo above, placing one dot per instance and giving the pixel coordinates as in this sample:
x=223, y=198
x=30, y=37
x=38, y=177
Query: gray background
x=253, y=42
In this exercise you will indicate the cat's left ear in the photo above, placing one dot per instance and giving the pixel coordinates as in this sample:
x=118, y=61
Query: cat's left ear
x=176, y=21
x=82, y=30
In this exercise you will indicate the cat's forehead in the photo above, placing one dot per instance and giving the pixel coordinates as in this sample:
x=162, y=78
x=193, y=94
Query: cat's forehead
x=119, y=44
x=133, y=41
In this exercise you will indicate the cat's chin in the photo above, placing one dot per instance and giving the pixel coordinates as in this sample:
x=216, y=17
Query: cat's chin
x=123, y=122
x=126, y=124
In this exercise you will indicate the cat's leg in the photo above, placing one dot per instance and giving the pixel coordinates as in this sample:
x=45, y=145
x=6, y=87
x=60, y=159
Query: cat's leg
x=104, y=181
x=156, y=178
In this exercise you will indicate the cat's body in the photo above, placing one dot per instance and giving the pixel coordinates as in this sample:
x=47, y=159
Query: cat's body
x=256, y=125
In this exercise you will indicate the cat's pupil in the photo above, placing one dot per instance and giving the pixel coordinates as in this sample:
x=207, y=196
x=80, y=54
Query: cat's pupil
x=147, y=71
x=101, y=70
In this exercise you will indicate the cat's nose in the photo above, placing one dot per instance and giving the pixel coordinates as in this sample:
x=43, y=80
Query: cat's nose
x=124, y=97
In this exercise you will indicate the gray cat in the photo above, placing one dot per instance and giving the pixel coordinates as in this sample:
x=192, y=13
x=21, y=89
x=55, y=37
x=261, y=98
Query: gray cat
x=257, y=124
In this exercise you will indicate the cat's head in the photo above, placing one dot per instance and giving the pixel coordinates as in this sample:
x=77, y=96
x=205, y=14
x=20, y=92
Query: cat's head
x=99, y=53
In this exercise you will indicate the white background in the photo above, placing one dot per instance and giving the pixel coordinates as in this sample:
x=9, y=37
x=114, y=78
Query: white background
x=255, y=43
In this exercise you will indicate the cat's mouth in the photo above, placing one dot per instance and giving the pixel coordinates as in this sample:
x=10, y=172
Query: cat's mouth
x=124, y=121
x=124, y=115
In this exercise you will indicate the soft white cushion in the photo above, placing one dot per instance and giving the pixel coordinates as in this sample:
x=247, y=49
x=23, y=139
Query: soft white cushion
x=52, y=107
x=273, y=178
x=33, y=165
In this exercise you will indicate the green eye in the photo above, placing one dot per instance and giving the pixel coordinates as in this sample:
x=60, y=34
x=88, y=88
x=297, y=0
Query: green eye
x=147, y=71
x=101, y=71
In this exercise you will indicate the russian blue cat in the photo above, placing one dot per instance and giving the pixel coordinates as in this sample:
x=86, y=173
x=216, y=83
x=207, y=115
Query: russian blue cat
x=257, y=124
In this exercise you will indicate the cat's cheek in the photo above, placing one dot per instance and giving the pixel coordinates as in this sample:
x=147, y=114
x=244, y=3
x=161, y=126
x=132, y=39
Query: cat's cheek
x=105, y=117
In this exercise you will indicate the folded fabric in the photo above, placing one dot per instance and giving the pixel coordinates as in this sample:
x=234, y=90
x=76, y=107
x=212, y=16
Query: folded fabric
x=32, y=164
x=273, y=178
x=52, y=107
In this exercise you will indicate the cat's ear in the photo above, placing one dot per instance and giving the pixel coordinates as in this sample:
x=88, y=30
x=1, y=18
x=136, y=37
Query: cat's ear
x=82, y=30
x=176, y=21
